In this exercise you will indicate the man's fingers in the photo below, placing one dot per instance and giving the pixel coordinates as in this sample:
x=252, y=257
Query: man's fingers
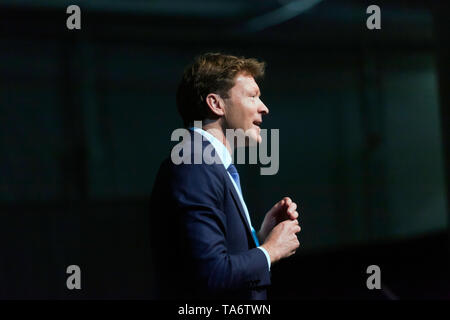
x=296, y=227
x=287, y=201
x=293, y=214
x=279, y=204
x=292, y=207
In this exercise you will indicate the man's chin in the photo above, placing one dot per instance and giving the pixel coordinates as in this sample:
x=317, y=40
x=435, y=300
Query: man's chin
x=253, y=139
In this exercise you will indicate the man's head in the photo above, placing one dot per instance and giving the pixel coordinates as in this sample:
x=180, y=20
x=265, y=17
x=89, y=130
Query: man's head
x=223, y=88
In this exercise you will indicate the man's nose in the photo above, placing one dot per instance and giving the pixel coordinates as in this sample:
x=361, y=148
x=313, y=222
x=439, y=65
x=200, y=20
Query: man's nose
x=263, y=109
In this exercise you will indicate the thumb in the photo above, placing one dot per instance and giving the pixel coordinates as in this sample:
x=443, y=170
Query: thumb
x=277, y=206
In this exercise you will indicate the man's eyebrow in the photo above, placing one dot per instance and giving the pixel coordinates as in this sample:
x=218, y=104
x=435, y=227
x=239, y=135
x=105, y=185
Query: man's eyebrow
x=256, y=89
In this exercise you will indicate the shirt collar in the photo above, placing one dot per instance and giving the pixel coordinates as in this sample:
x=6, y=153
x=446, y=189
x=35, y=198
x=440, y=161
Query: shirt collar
x=220, y=148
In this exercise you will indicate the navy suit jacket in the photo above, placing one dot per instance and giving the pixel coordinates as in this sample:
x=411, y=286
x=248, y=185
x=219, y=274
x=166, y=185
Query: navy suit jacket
x=202, y=243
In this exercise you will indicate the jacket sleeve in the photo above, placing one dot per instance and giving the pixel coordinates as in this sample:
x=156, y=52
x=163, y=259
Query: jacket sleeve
x=198, y=192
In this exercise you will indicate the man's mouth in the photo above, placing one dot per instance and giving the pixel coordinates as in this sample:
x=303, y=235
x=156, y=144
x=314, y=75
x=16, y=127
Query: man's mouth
x=257, y=123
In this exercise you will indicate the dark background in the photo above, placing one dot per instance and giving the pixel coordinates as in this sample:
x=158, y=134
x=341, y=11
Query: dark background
x=86, y=117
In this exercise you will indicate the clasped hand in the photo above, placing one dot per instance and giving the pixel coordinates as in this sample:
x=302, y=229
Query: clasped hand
x=279, y=228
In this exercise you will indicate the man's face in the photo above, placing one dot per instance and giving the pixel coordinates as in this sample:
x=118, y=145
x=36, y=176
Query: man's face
x=243, y=107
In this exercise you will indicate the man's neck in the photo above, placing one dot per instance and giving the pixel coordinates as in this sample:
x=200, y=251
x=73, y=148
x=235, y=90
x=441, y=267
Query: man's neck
x=215, y=128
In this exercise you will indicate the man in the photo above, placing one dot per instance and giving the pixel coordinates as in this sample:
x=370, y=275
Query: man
x=204, y=242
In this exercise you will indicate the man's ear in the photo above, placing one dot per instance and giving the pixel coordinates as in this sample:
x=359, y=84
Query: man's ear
x=215, y=104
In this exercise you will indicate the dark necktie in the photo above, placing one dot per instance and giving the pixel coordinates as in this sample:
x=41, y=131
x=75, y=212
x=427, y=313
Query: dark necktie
x=235, y=175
